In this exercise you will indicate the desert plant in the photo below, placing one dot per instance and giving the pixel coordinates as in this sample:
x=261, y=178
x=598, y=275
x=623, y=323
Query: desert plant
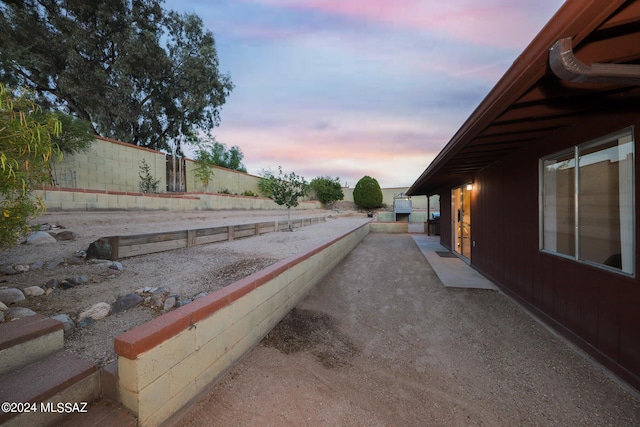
x=367, y=193
x=148, y=183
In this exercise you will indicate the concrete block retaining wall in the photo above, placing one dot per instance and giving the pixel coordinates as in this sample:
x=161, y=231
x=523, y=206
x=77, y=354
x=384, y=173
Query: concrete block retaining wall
x=165, y=364
x=75, y=199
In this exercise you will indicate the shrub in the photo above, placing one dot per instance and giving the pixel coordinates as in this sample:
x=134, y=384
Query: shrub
x=367, y=193
x=327, y=189
x=148, y=183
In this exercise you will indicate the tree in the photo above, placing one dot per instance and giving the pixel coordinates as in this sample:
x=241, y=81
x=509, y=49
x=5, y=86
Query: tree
x=26, y=149
x=212, y=152
x=327, y=189
x=283, y=189
x=136, y=72
x=367, y=193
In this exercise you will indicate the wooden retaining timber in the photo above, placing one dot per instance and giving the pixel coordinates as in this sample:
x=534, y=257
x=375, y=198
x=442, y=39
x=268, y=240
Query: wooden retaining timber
x=142, y=244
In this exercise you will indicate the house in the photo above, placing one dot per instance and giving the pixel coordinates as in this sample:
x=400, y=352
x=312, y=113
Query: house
x=538, y=187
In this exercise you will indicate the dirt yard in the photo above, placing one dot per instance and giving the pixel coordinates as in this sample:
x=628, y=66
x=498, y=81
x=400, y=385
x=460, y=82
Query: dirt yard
x=183, y=273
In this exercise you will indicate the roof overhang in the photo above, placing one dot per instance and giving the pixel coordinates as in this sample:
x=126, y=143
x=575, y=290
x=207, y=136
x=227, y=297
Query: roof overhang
x=532, y=102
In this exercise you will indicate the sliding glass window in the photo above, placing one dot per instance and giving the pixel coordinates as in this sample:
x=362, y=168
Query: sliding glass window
x=588, y=212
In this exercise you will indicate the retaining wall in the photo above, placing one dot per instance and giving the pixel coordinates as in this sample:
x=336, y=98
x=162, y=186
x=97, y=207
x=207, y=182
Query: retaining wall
x=75, y=199
x=165, y=364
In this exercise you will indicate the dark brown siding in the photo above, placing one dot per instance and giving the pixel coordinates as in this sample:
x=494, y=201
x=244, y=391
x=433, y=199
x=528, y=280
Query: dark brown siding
x=598, y=309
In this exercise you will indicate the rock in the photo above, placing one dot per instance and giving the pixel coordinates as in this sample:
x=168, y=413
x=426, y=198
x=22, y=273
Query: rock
x=74, y=260
x=100, y=249
x=65, y=285
x=13, y=313
x=200, y=295
x=1, y=316
x=116, y=266
x=21, y=268
x=55, y=262
x=157, y=300
x=77, y=280
x=52, y=283
x=11, y=295
x=97, y=311
x=37, y=265
x=183, y=302
x=169, y=303
x=126, y=302
x=86, y=322
x=67, y=324
x=40, y=238
x=33, y=291
x=66, y=235
x=8, y=270
x=2, y=306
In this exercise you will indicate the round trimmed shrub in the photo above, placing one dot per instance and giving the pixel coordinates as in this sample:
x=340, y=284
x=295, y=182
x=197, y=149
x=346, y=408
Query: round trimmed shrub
x=367, y=193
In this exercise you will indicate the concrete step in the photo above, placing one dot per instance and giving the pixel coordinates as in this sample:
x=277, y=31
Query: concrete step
x=27, y=340
x=58, y=378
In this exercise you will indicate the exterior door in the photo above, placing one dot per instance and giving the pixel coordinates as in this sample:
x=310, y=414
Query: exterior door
x=461, y=221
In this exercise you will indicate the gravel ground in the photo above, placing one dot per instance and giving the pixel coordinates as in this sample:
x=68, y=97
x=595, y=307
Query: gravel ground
x=183, y=272
x=380, y=342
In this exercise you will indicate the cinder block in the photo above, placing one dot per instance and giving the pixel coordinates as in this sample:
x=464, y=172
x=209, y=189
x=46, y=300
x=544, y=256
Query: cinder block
x=190, y=368
x=162, y=358
x=171, y=407
x=209, y=328
x=73, y=206
x=85, y=197
x=153, y=397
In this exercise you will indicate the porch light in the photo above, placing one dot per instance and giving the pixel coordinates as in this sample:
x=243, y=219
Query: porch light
x=470, y=186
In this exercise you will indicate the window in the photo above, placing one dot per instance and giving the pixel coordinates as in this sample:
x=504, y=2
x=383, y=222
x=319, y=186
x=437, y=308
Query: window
x=587, y=209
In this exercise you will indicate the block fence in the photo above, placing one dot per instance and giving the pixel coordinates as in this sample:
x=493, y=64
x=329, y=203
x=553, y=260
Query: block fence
x=165, y=364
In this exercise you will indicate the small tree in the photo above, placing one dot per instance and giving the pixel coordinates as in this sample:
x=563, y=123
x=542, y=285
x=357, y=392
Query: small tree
x=327, y=189
x=367, y=193
x=26, y=149
x=283, y=189
x=148, y=183
x=204, y=171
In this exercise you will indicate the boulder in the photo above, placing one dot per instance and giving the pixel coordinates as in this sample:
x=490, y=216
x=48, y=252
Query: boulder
x=11, y=295
x=33, y=291
x=40, y=238
x=169, y=303
x=67, y=324
x=66, y=235
x=2, y=306
x=13, y=313
x=100, y=249
x=96, y=312
x=126, y=302
x=55, y=262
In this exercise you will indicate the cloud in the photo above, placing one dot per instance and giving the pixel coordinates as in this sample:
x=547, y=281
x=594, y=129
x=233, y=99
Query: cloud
x=498, y=23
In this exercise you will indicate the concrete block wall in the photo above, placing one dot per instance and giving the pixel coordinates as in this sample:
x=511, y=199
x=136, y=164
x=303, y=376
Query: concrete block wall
x=75, y=199
x=167, y=363
x=110, y=166
x=389, y=227
x=223, y=179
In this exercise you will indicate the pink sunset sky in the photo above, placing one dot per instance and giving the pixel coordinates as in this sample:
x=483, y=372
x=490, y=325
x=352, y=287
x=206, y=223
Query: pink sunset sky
x=349, y=88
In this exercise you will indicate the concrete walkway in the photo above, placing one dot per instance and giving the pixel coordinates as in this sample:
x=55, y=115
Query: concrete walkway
x=452, y=271
x=381, y=342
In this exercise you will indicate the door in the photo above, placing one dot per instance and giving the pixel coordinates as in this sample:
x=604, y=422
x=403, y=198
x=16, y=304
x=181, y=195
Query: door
x=461, y=221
